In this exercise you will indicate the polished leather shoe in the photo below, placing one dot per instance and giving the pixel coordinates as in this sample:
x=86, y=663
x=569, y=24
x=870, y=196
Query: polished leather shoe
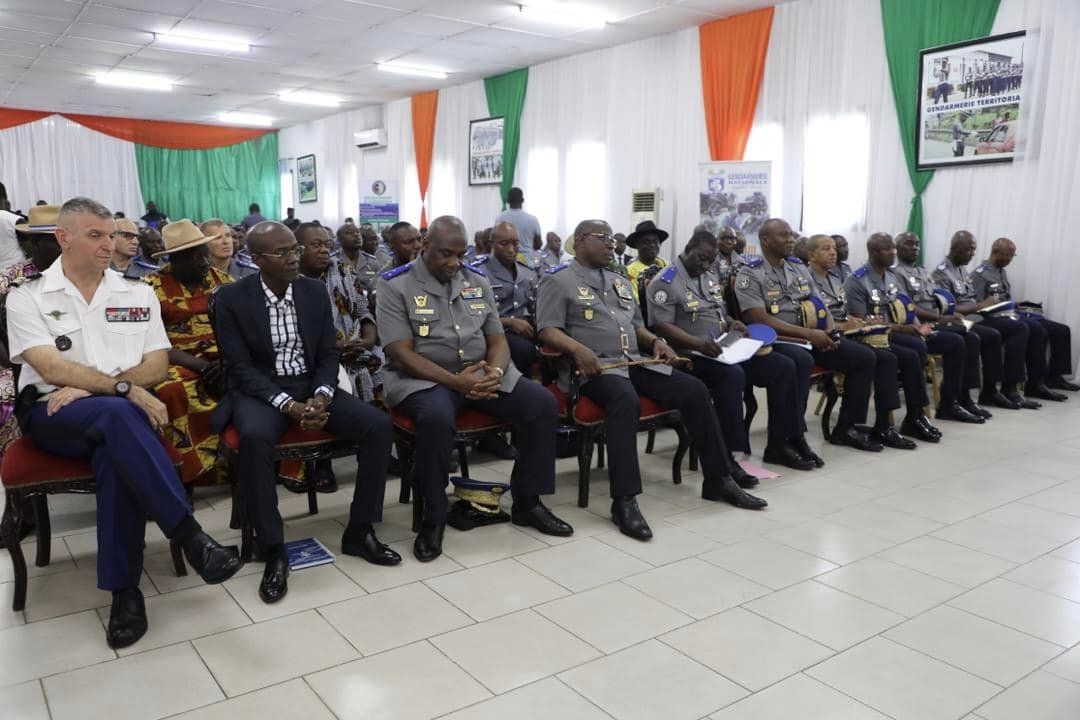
x=275, y=579
x=127, y=619
x=1059, y=383
x=742, y=478
x=627, y=517
x=539, y=516
x=213, y=562
x=497, y=446
x=955, y=411
x=1042, y=392
x=787, y=456
x=998, y=399
x=804, y=449
x=362, y=542
x=968, y=404
x=428, y=543
x=890, y=438
x=853, y=437
x=1022, y=402
x=728, y=490
x=325, y=479
x=921, y=429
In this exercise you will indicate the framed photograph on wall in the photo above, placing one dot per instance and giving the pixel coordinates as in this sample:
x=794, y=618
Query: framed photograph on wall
x=306, y=179
x=486, y=151
x=970, y=102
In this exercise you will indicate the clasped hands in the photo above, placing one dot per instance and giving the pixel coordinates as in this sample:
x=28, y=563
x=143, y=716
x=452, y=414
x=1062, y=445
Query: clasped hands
x=310, y=414
x=479, y=381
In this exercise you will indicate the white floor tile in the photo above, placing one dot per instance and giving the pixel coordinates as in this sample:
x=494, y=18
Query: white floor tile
x=696, y=587
x=153, y=684
x=747, y=648
x=49, y=596
x=374, y=578
x=52, y=646
x=836, y=543
x=414, y=682
x=24, y=702
x=1045, y=616
x=672, y=543
x=799, y=697
x=937, y=506
x=59, y=559
x=513, y=650
x=1056, y=576
x=902, y=683
x=585, y=524
x=987, y=649
x=891, y=586
x=270, y=652
x=1037, y=521
x=769, y=563
x=542, y=700
x=1040, y=696
x=947, y=561
x=484, y=545
x=883, y=521
x=996, y=539
x=1066, y=665
x=725, y=524
x=650, y=681
x=496, y=589
x=583, y=564
x=831, y=617
x=292, y=700
x=308, y=588
x=392, y=618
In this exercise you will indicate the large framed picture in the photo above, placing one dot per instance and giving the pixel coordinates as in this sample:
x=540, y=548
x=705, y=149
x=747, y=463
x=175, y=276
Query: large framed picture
x=306, y=180
x=970, y=101
x=486, y=151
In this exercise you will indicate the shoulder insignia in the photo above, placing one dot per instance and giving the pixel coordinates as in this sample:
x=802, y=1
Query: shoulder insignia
x=861, y=272
x=755, y=262
x=797, y=261
x=557, y=268
x=391, y=274
x=142, y=263
x=942, y=267
x=669, y=273
x=475, y=269
x=481, y=259
x=982, y=266
x=25, y=279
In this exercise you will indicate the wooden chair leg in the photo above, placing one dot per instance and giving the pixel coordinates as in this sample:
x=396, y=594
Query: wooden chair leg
x=178, y=559
x=418, y=499
x=693, y=458
x=463, y=458
x=585, y=452
x=751, y=410
x=830, y=397
x=312, y=494
x=649, y=442
x=600, y=453
x=9, y=529
x=44, y=529
x=680, y=451
x=239, y=516
x=404, y=455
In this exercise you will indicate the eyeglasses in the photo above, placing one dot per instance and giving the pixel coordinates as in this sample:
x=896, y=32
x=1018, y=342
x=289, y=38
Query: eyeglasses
x=608, y=240
x=124, y=235
x=294, y=251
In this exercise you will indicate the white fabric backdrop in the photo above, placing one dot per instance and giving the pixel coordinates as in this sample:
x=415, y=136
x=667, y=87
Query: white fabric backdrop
x=55, y=159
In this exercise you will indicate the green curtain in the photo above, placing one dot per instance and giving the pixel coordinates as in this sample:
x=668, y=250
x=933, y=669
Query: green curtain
x=910, y=26
x=220, y=182
x=506, y=97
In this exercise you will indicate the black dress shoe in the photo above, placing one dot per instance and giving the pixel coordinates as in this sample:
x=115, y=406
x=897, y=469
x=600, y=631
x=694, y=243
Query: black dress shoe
x=890, y=438
x=627, y=517
x=742, y=478
x=956, y=412
x=853, y=437
x=361, y=542
x=788, y=456
x=1044, y=393
x=1059, y=383
x=428, y=543
x=920, y=429
x=1022, y=402
x=497, y=446
x=541, y=518
x=804, y=449
x=127, y=619
x=728, y=490
x=997, y=399
x=213, y=562
x=275, y=579
x=325, y=479
x=968, y=404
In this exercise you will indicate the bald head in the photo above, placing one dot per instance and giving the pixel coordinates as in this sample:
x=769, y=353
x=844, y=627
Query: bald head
x=267, y=234
x=877, y=241
x=443, y=227
x=591, y=247
x=907, y=247
x=503, y=231
x=1002, y=252
x=961, y=248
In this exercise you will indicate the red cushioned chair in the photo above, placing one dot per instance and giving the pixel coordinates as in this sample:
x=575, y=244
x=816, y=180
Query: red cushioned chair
x=471, y=426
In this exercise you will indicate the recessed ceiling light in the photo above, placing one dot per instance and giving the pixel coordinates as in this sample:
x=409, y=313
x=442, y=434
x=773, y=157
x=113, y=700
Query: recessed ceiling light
x=307, y=97
x=207, y=43
x=134, y=80
x=567, y=14
x=406, y=70
x=243, y=118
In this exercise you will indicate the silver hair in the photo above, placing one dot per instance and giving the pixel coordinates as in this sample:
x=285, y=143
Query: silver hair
x=84, y=206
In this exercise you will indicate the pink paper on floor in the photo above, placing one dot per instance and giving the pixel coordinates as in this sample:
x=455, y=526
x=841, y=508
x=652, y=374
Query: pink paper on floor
x=759, y=472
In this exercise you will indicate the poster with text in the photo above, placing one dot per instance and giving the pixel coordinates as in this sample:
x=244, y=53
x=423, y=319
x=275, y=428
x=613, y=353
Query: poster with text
x=970, y=102
x=378, y=202
x=736, y=195
x=486, y=151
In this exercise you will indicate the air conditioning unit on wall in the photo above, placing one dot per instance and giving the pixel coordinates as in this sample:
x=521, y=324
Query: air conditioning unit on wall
x=370, y=139
x=645, y=205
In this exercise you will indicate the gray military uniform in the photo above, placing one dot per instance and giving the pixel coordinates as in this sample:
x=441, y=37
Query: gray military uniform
x=515, y=291
x=778, y=291
x=694, y=305
x=726, y=268
x=832, y=291
x=596, y=308
x=367, y=269
x=447, y=324
x=137, y=269
x=955, y=280
x=991, y=281
x=868, y=293
x=917, y=285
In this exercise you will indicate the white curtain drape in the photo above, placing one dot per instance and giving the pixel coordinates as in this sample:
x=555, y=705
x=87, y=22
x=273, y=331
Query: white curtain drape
x=55, y=159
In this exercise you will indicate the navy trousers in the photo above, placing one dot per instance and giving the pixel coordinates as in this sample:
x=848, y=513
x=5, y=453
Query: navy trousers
x=1014, y=340
x=911, y=353
x=859, y=365
x=1060, y=339
x=133, y=477
x=973, y=352
x=523, y=353
x=953, y=350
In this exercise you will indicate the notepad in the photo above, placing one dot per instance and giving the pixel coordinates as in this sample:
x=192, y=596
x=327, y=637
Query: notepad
x=735, y=353
x=306, y=553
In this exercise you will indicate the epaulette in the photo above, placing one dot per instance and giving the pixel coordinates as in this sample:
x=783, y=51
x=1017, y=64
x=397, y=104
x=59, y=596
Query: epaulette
x=755, y=262
x=482, y=258
x=475, y=269
x=861, y=272
x=362, y=252
x=982, y=266
x=669, y=273
x=557, y=268
x=792, y=258
x=526, y=265
x=142, y=263
x=391, y=274
x=942, y=267
x=25, y=279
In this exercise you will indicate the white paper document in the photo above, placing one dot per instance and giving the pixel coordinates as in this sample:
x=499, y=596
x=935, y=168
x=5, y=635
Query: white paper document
x=740, y=350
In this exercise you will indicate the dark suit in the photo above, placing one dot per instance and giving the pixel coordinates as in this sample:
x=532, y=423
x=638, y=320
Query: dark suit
x=242, y=326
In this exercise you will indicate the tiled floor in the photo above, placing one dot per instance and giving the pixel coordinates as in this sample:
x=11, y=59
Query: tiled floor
x=937, y=584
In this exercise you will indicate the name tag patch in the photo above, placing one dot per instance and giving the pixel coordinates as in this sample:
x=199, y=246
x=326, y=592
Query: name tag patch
x=127, y=314
x=472, y=293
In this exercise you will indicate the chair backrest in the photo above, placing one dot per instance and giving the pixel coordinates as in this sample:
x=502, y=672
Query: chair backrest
x=731, y=300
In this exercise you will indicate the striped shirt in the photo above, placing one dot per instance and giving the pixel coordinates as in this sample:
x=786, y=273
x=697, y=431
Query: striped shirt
x=288, y=345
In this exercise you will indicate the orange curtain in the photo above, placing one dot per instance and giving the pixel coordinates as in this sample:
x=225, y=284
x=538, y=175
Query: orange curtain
x=732, y=64
x=9, y=117
x=424, y=106
x=164, y=134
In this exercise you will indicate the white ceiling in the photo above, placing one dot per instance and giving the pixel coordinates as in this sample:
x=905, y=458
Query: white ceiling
x=50, y=49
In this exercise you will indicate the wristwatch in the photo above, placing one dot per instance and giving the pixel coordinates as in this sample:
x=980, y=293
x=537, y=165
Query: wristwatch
x=122, y=388
x=498, y=370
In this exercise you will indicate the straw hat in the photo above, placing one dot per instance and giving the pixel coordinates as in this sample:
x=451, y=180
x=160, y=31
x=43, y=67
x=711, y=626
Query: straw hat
x=43, y=220
x=182, y=235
